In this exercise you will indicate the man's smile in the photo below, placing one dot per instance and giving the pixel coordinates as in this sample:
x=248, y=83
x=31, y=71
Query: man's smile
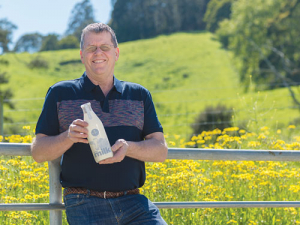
x=99, y=61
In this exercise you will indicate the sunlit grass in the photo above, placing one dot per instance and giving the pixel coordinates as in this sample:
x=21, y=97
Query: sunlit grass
x=185, y=72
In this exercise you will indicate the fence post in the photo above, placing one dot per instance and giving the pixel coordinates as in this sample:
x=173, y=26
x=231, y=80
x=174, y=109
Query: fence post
x=1, y=115
x=55, y=191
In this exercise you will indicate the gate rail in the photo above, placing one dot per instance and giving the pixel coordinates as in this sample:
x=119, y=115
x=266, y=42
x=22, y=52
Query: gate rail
x=56, y=206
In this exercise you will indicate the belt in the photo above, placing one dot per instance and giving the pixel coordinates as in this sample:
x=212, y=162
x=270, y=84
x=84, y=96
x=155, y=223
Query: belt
x=105, y=194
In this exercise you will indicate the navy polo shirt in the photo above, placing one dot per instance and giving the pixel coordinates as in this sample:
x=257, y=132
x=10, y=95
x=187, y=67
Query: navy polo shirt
x=127, y=112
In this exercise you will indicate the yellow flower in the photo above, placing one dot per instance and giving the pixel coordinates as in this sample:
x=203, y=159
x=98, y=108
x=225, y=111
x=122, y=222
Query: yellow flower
x=242, y=131
x=177, y=136
x=194, y=138
x=294, y=188
x=26, y=127
x=231, y=221
x=291, y=127
x=261, y=136
x=264, y=128
x=253, y=144
x=172, y=143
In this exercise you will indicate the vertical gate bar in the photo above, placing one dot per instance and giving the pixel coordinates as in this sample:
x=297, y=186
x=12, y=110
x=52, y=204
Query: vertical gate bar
x=55, y=191
x=1, y=115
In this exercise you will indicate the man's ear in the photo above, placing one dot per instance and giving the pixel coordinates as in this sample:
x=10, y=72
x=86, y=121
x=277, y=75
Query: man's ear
x=81, y=57
x=117, y=51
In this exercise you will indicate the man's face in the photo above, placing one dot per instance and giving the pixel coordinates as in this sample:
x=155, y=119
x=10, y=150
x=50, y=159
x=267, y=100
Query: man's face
x=99, y=55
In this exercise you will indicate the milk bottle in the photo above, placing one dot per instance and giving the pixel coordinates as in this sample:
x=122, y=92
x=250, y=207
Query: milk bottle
x=96, y=136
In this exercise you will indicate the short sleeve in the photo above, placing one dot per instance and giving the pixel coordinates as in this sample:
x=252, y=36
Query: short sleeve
x=48, y=121
x=151, y=122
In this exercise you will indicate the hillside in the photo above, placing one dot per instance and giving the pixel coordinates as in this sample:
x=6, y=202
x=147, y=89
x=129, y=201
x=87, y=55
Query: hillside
x=185, y=72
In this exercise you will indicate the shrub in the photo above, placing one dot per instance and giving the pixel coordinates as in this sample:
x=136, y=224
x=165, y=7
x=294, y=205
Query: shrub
x=68, y=42
x=38, y=62
x=213, y=117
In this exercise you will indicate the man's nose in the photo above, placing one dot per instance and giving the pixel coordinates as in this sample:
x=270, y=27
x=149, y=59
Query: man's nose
x=98, y=50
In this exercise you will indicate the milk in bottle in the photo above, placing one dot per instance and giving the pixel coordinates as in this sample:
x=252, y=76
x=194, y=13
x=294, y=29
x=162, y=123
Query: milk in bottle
x=96, y=134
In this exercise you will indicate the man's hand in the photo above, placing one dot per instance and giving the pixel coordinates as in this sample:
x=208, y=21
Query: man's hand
x=152, y=149
x=47, y=148
x=78, y=132
x=119, y=150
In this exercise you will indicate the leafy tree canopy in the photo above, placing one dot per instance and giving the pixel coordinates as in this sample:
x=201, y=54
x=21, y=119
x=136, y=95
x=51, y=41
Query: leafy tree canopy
x=260, y=31
x=68, y=42
x=29, y=43
x=265, y=36
x=6, y=30
x=81, y=15
x=217, y=10
x=50, y=42
x=136, y=19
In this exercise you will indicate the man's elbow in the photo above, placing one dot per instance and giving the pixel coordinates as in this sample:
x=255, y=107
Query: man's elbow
x=164, y=154
x=34, y=153
x=37, y=157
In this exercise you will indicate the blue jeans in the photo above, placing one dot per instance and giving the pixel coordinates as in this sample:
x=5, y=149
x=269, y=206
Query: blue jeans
x=129, y=209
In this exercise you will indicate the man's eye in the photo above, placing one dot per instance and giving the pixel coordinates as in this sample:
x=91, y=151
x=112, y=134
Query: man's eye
x=91, y=49
x=105, y=48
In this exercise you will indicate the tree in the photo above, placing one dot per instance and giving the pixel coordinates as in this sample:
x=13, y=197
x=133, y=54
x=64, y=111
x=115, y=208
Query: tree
x=81, y=15
x=217, y=10
x=136, y=19
x=113, y=2
x=265, y=36
x=68, y=42
x=50, y=42
x=192, y=13
x=5, y=95
x=29, y=43
x=6, y=30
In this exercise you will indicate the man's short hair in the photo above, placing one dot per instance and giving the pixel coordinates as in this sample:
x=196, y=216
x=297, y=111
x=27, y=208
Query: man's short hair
x=98, y=28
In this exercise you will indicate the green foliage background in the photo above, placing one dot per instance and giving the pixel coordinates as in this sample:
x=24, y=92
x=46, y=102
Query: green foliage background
x=185, y=72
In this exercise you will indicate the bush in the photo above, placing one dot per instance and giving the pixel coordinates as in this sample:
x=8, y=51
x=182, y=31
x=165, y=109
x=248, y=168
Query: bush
x=68, y=42
x=213, y=117
x=38, y=62
x=4, y=62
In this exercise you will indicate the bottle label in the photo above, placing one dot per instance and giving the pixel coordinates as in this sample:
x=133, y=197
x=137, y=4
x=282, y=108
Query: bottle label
x=102, y=146
x=95, y=132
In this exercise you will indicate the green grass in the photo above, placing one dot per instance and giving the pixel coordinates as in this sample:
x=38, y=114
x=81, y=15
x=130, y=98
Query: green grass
x=185, y=72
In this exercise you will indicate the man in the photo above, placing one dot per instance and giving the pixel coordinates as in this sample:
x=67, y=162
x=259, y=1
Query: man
x=105, y=192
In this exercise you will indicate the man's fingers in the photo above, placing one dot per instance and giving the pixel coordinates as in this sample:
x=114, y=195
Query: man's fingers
x=77, y=131
x=119, y=144
x=79, y=126
x=119, y=149
x=116, y=146
x=80, y=122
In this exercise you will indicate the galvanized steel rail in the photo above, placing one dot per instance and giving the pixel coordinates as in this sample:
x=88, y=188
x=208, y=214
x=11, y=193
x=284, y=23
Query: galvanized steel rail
x=56, y=206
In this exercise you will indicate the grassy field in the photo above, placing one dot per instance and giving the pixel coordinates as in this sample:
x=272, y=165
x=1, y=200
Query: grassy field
x=185, y=72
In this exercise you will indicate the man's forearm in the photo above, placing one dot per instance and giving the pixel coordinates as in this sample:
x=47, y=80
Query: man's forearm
x=47, y=148
x=153, y=149
x=150, y=150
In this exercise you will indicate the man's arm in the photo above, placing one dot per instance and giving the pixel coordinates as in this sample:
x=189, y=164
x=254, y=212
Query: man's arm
x=47, y=148
x=153, y=149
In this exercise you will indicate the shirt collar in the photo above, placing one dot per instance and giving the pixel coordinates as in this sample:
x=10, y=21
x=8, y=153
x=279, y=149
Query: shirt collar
x=118, y=85
x=88, y=85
